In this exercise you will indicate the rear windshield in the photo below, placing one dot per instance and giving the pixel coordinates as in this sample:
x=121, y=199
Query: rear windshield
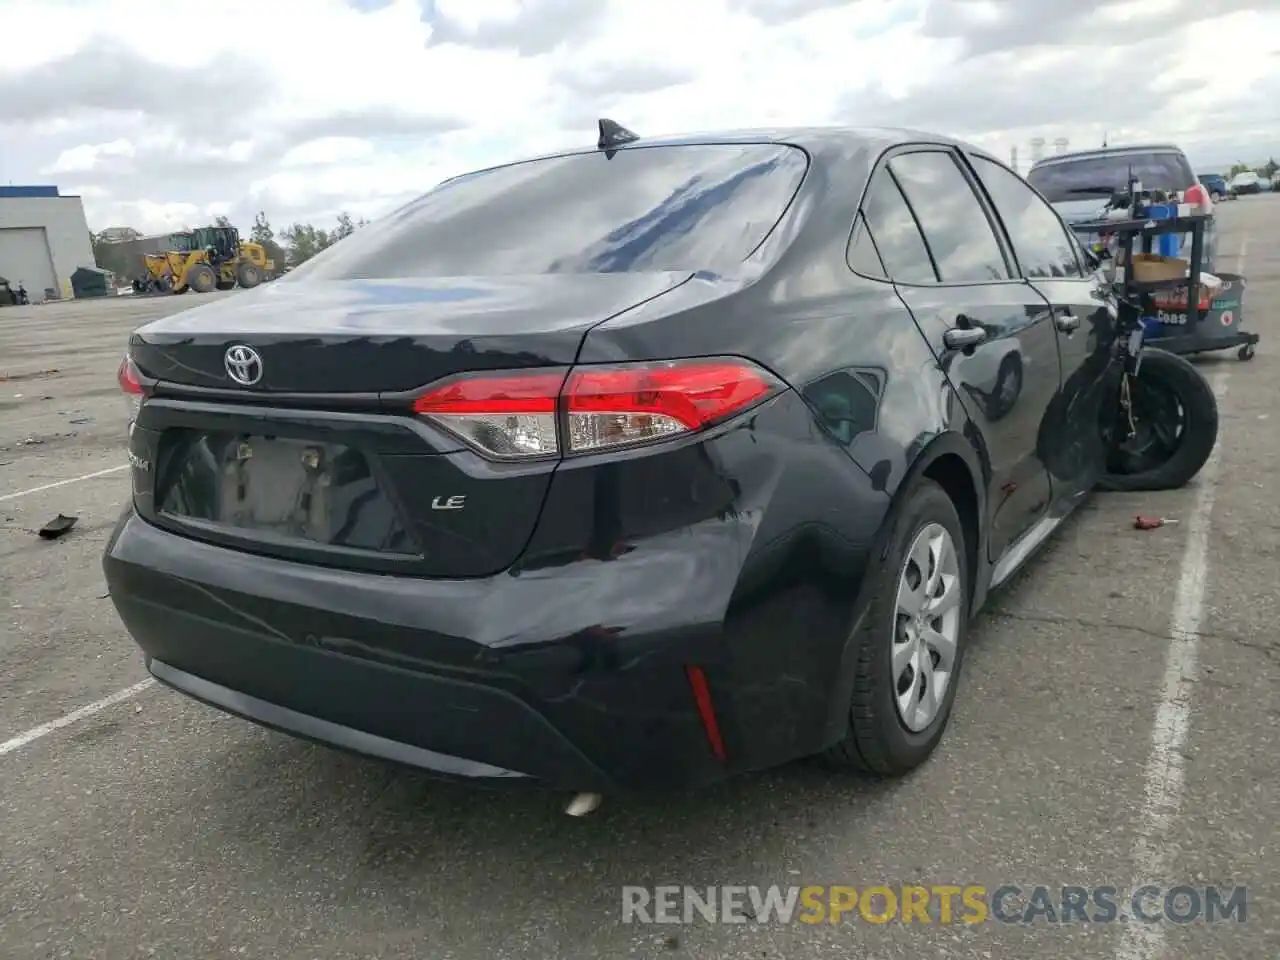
x=1103, y=176
x=701, y=207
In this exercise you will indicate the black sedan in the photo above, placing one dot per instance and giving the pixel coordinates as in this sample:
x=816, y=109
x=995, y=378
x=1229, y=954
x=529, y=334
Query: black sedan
x=630, y=467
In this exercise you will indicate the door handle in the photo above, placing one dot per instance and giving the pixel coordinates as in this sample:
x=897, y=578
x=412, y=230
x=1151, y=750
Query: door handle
x=964, y=335
x=1067, y=322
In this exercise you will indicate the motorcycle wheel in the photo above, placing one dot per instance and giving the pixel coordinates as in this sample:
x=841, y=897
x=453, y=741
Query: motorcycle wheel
x=1174, y=426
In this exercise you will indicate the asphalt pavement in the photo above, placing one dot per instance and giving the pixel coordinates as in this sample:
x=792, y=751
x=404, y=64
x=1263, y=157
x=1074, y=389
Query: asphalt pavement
x=1117, y=725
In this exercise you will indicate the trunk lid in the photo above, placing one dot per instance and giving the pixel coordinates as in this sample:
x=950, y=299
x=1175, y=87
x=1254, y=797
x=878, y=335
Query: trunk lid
x=388, y=336
x=311, y=463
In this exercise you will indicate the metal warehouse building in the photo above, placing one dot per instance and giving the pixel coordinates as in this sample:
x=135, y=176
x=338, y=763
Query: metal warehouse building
x=44, y=238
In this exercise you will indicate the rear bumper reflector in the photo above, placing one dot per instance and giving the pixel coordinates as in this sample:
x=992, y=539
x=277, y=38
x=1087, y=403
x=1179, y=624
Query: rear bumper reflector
x=706, y=710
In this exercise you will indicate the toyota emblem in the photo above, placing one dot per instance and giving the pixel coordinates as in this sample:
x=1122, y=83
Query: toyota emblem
x=243, y=364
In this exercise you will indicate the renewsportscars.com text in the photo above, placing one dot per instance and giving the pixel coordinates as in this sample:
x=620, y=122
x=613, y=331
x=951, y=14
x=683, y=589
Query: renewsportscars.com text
x=940, y=904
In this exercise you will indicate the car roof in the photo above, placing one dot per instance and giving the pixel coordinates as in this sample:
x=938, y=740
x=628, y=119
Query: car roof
x=1110, y=152
x=815, y=140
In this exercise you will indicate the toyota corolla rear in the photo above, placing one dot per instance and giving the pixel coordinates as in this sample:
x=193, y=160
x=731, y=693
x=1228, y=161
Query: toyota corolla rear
x=379, y=504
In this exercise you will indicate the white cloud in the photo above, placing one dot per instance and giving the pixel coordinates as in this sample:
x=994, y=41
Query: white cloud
x=86, y=157
x=327, y=151
x=322, y=107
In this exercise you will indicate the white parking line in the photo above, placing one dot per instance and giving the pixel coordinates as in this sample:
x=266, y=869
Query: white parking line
x=35, y=733
x=62, y=483
x=1164, y=777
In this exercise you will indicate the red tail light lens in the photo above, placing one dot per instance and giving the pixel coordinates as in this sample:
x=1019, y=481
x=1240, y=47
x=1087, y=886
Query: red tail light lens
x=1198, y=197
x=131, y=385
x=633, y=404
x=540, y=414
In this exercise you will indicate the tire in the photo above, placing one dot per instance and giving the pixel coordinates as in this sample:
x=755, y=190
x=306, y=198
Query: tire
x=201, y=278
x=878, y=740
x=248, y=275
x=1176, y=379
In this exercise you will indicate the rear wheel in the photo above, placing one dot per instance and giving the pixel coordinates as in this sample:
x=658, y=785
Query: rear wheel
x=248, y=275
x=911, y=640
x=1174, y=426
x=201, y=278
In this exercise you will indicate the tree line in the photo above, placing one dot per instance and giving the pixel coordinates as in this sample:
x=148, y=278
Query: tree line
x=296, y=244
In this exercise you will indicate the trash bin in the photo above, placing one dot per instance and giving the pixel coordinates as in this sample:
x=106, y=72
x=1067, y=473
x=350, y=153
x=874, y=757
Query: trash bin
x=89, y=282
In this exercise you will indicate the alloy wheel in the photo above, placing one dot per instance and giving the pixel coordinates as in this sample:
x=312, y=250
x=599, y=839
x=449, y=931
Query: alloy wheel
x=927, y=627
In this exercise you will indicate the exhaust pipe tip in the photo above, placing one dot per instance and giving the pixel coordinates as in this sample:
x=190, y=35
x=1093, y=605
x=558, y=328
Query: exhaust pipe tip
x=583, y=804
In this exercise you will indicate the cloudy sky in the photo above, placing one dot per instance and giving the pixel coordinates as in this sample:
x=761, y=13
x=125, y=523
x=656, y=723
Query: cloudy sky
x=169, y=116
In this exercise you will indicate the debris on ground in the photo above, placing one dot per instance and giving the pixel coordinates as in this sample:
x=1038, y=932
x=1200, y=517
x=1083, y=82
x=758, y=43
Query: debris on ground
x=58, y=526
x=1150, y=523
x=14, y=377
x=37, y=375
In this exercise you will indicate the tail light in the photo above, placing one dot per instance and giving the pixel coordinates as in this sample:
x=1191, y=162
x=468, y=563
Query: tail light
x=131, y=385
x=519, y=415
x=1199, y=200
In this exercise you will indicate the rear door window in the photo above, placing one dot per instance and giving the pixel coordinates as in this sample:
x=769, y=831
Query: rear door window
x=862, y=255
x=888, y=220
x=1093, y=177
x=683, y=207
x=955, y=224
x=1040, y=242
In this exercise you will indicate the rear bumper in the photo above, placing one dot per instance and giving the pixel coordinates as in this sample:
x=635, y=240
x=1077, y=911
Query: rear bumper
x=321, y=731
x=573, y=669
x=413, y=671
x=473, y=680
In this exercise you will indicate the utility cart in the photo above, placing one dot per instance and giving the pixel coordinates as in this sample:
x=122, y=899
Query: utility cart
x=1177, y=313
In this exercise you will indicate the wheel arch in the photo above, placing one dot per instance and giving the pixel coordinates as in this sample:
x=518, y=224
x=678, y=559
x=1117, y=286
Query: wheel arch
x=955, y=464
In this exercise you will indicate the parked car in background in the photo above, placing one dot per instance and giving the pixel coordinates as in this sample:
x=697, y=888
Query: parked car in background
x=1247, y=181
x=1080, y=184
x=1216, y=184
x=627, y=467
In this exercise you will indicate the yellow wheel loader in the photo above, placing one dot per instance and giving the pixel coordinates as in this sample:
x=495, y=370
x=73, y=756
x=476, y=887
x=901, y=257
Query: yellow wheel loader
x=211, y=258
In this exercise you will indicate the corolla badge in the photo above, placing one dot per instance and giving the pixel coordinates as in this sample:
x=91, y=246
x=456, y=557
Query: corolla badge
x=243, y=365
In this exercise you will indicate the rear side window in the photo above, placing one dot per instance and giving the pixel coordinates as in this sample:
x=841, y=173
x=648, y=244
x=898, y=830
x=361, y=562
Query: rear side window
x=862, y=255
x=1093, y=177
x=955, y=225
x=701, y=207
x=888, y=219
x=1040, y=242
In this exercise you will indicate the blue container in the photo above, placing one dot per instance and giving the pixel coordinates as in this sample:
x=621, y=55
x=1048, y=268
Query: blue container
x=1167, y=244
